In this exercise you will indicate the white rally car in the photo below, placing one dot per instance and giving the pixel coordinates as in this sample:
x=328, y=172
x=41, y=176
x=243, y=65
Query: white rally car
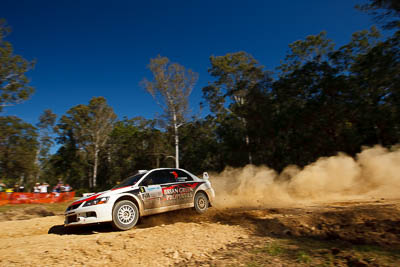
x=146, y=193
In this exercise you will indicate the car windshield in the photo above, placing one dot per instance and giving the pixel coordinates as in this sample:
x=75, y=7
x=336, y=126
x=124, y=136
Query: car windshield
x=129, y=181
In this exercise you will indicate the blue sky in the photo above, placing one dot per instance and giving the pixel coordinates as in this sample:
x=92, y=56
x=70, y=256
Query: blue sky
x=101, y=48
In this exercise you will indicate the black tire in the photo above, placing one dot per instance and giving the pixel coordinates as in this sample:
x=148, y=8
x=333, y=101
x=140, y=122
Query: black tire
x=201, y=202
x=125, y=215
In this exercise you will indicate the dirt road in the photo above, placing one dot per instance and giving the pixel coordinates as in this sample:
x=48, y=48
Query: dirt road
x=349, y=233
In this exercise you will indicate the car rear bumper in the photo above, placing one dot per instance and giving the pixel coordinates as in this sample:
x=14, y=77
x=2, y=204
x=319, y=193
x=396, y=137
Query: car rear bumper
x=211, y=195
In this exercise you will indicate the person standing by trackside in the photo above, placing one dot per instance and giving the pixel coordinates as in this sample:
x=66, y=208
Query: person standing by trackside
x=2, y=186
x=36, y=188
x=43, y=188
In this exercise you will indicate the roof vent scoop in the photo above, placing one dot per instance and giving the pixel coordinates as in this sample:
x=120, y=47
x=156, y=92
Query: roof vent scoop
x=143, y=171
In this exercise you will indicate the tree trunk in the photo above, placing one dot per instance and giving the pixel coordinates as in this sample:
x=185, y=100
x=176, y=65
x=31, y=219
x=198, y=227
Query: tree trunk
x=248, y=147
x=90, y=180
x=38, y=165
x=176, y=142
x=247, y=139
x=96, y=162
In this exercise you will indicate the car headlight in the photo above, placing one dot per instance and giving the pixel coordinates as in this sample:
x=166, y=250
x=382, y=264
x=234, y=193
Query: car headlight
x=96, y=201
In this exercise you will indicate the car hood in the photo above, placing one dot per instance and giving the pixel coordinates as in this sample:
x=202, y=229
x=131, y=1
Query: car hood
x=104, y=193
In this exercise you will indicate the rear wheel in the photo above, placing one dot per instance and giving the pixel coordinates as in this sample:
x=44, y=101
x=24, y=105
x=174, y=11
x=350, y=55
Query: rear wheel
x=201, y=202
x=125, y=215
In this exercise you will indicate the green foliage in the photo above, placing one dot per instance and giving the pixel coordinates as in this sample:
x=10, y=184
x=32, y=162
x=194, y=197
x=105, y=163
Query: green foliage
x=45, y=138
x=386, y=12
x=236, y=74
x=18, y=146
x=87, y=128
x=14, y=85
x=303, y=257
x=314, y=48
x=199, y=141
x=347, y=100
x=134, y=144
x=273, y=249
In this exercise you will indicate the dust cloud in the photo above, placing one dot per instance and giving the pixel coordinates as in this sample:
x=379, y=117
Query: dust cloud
x=373, y=173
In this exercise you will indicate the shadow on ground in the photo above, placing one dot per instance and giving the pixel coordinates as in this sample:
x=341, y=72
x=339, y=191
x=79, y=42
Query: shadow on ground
x=81, y=230
x=185, y=215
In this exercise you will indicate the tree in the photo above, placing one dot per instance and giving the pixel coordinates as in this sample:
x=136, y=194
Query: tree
x=171, y=87
x=14, y=85
x=69, y=163
x=45, y=127
x=236, y=74
x=386, y=12
x=376, y=81
x=90, y=125
x=199, y=140
x=18, y=146
x=313, y=48
x=133, y=144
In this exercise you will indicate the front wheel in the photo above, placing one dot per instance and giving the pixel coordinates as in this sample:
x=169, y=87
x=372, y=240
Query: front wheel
x=125, y=215
x=201, y=202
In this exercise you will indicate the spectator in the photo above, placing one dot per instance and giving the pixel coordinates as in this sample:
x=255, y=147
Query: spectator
x=67, y=188
x=2, y=186
x=9, y=190
x=21, y=188
x=57, y=188
x=60, y=186
x=36, y=188
x=43, y=188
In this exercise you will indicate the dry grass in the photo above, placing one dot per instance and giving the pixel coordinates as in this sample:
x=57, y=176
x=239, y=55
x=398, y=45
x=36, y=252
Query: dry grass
x=56, y=208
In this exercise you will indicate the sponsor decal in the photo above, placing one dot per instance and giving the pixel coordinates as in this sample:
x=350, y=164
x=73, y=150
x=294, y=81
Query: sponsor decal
x=151, y=191
x=181, y=179
x=181, y=191
x=175, y=174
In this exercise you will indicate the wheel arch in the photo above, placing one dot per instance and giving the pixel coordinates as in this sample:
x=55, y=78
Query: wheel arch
x=132, y=198
x=205, y=193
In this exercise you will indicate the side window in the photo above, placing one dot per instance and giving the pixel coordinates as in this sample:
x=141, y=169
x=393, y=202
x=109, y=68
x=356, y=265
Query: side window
x=159, y=177
x=151, y=179
x=183, y=176
x=169, y=176
x=147, y=181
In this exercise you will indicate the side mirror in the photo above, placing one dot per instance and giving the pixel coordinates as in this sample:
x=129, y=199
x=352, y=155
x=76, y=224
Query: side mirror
x=205, y=175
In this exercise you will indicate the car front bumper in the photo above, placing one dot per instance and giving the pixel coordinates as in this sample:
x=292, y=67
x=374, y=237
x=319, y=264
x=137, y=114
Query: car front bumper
x=87, y=215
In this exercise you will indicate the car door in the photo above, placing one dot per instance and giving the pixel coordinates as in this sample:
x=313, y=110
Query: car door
x=186, y=184
x=179, y=190
x=170, y=189
x=151, y=191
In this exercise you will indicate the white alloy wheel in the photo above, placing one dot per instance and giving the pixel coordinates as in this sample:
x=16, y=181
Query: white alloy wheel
x=125, y=215
x=201, y=202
